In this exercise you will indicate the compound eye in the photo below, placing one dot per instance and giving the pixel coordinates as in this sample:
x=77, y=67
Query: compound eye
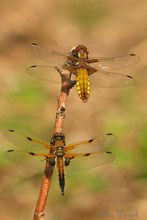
x=67, y=161
x=52, y=141
x=74, y=53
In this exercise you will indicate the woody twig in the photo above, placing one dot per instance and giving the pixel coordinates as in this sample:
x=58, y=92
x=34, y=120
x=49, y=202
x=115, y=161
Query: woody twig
x=66, y=85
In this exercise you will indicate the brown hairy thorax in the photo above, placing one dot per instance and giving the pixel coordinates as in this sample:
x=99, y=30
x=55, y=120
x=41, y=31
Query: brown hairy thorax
x=79, y=50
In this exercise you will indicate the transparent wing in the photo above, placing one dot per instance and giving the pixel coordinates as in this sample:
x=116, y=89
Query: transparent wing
x=92, y=145
x=26, y=157
x=104, y=79
x=90, y=160
x=26, y=142
x=44, y=72
x=48, y=55
x=115, y=63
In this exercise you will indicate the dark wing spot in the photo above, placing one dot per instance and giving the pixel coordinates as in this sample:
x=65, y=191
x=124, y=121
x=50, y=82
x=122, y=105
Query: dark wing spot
x=31, y=153
x=109, y=133
x=30, y=139
x=129, y=76
x=34, y=44
x=87, y=154
x=108, y=152
x=10, y=150
x=34, y=66
x=132, y=54
x=11, y=130
x=90, y=140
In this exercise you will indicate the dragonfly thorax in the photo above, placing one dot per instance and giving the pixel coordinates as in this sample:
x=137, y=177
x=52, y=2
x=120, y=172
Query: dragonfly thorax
x=59, y=151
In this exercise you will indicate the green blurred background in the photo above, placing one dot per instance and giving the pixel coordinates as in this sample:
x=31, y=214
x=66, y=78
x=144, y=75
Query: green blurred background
x=116, y=190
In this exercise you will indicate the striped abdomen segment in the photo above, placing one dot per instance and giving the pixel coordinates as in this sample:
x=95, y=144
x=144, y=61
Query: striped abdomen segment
x=61, y=175
x=83, y=84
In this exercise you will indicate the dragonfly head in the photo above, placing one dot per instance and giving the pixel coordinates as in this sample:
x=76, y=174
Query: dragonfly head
x=80, y=52
x=58, y=139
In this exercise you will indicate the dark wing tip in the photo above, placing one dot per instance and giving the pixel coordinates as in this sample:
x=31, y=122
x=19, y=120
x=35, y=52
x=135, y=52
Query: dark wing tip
x=108, y=152
x=132, y=54
x=29, y=138
x=11, y=130
x=129, y=76
x=34, y=44
x=31, y=153
x=109, y=134
x=87, y=154
x=90, y=140
x=10, y=150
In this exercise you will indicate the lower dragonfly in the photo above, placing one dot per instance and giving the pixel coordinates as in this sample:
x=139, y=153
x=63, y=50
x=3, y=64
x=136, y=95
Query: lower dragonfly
x=84, y=70
x=85, y=154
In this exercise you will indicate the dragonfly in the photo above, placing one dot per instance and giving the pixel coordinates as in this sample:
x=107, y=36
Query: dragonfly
x=80, y=155
x=85, y=70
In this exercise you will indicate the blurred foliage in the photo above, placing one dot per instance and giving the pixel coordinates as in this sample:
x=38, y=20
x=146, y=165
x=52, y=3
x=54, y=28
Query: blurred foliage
x=29, y=106
x=83, y=13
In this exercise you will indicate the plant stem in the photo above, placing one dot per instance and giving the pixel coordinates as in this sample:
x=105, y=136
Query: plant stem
x=59, y=121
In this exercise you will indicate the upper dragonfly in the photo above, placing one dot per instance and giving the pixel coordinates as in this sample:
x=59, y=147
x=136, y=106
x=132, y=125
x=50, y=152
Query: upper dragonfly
x=97, y=71
x=80, y=155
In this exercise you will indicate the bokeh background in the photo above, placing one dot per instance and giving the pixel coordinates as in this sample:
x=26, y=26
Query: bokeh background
x=113, y=191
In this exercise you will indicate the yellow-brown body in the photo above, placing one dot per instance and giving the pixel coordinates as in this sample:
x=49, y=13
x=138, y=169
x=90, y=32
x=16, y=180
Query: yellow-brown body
x=61, y=175
x=83, y=84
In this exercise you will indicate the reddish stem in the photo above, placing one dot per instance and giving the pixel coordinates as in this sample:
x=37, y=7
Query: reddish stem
x=59, y=121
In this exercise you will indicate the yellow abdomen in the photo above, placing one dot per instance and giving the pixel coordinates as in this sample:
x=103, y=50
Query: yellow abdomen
x=83, y=84
x=60, y=168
